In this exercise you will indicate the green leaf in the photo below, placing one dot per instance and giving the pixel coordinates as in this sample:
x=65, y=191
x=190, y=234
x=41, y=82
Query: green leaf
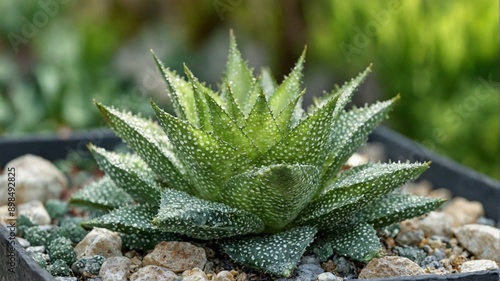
x=130, y=173
x=346, y=92
x=200, y=91
x=355, y=189
x=268, y=83
x=351, y=130
x=209, y=162
x=395, y=207
x=232, y=107
x=289, y=89
x=227, y=130
x=306, y=143
x=253, y=95
x=261, y=127
x=275, y=193
x=150, y=143
x=146, y=240
x=129, y=219
x=290, y=116
x=102, y=195
x=277, y=254
x=237, y=75
x=180, y=92
x=201, y=219
x=359, y=242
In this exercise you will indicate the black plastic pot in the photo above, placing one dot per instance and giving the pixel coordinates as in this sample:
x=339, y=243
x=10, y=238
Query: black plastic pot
x=460, y=180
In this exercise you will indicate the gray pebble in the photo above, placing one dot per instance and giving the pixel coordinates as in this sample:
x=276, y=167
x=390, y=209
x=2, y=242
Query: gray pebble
x=328, y=276
x=485, y=221
x=343, y=266
x=430, y=261
x=309, y=260
x=412, y=237
x=439, y=254
x=66, y=278
x=23, y=242
x=35, y=249
x=314, y=268
x=413, y=253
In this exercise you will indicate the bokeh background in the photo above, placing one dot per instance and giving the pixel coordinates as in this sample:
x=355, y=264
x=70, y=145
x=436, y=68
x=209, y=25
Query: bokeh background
x=442, y=56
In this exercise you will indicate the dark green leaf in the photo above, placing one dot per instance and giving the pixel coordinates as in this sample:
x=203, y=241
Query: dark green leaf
x=209, y=162
x=130, y=173
x=394, y=207
x=355, y=189
x=351, y=130
x=201, y=219
x=102, y=195
x=276, y=193
x=150, y=143
x=277, y=254
x=359, y=242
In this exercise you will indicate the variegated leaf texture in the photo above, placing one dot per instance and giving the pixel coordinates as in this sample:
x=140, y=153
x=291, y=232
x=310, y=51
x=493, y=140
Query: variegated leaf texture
x=245, y=165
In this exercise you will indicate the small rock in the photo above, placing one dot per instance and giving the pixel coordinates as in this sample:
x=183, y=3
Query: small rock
x=60, y=278
x=59, y=268
x=88, y=267
x=195, y=274
x=435, y=223
x=411, y=237
x=431, y=262
x=309, y=260
x=477, y=265
x=36, y=179
x=439, y=254
x=100, y=241
x=485, y=221
x=357, y=159
x=422, y=188
x=314, y=268
x=176, y=256
x=481, y=240
x=153, y=273
x=135, y=264
x=115, y=269
x=390, y=266
x=463, y=211
x=343, y=266
x=442, y=193
x=328, y=276
x=35, y=211
x=23, y=242
x=224, y=276
x=35, y=249
x=413, y=253
x=435, y=242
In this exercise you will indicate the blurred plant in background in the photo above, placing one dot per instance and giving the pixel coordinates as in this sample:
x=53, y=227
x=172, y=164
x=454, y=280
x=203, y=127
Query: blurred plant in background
x=441, y=55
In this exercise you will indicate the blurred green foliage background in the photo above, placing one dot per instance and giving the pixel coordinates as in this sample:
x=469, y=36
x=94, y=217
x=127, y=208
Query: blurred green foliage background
x=441, y=55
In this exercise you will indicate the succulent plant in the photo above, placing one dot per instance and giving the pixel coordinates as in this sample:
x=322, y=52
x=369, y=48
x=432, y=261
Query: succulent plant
x=248, y=167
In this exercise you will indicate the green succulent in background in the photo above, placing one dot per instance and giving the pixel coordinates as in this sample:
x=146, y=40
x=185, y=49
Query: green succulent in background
x=248, y=167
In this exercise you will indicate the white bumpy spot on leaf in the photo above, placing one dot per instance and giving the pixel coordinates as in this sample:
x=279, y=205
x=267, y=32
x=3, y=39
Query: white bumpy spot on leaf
x=102, y=195
x=198, y=218
x=277, y=254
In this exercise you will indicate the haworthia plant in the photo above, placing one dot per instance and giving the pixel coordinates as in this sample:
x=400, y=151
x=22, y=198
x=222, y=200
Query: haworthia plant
x=247, y=167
